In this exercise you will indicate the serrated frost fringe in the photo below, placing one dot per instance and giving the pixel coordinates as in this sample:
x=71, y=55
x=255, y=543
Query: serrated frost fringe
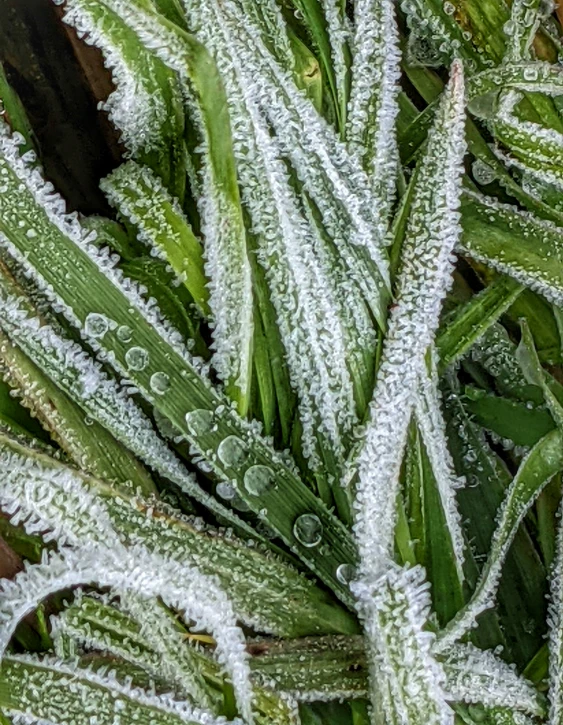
x=373, y=107
x=44, y=680
x=145, y=574
x=407, y=683
x=427, y=264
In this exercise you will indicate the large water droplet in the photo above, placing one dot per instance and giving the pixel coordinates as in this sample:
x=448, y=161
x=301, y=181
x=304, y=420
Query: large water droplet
x=199, y=421
x=258, y=480
x=124, y=333
x=232, y=451
x=308, y=530
x=137, y=358
x=160, y=383
x=225, y=490
x=96, y=325
x=482, y=172
x=345, y=573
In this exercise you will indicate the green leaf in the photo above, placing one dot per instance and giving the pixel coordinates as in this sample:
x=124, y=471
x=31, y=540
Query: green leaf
x=516, y=243
x=540, y=465
x=460, y=331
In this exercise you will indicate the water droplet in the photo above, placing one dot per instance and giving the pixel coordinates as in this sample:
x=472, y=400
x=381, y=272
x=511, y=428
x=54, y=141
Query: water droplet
x=31, y=233
x=232, y=451
x=258, y=480
x=449, y=8
x=124, y=333
x=88, y=420
x=345, y=573
x=225, y=490
x=199, y=421
x=96, y=325
x=160, y=383
x=530, y=74
x=482, y=172
x=165, y=427
x=137, y=358
x=308, y=530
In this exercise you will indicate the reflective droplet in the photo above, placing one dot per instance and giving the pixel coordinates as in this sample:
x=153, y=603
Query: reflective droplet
x=137, y=358
x=258, y=480
x=232, y=452
x=482, y=172
x=225, y=490
x=308, y=530
x=88, y=420
x=345, y=573
x=530, y=74
x=160, y=383
x=124, y=333
x=96, y=325
x=199, y=421
x=449, y=8
x=31, y=233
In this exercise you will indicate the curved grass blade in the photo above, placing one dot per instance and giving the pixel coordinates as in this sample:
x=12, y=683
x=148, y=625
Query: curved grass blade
x=133, y=571
x=537, y=469
x=147, y=105
x=47, y=496
x=180, y=391
x=38, y=690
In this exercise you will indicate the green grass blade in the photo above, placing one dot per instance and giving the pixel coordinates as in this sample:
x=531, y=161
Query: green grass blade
x=38, y=689
x=516, y=243
x=146, y=106
x=471, y=320
x=537, y=469
x=142, y=199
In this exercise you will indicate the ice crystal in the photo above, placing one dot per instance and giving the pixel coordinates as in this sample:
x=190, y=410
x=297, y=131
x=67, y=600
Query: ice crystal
x=145, y=575
x=424, y=278
x=137, y=106
x=372, y=108
x=407, y=682
x=48, y=690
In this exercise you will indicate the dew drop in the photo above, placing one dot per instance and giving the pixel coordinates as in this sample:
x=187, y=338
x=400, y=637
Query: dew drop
x=482, y=172
x=530, y=74
x=308, y=530
x=137, y=358
x=345, y=573
x=88, y=420
x=258, y=480
x=160, y=383
x=124, y=333
x=31, y=233
x=199, y=421
x=225, y=490
x=449, y=8
x=232, y=451
x=96, y=325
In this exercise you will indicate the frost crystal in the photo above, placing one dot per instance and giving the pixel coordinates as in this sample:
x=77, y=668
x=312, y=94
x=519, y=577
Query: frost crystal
x=407, y=683
x=424, y=279
x=372, y=108
x=144, y=574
